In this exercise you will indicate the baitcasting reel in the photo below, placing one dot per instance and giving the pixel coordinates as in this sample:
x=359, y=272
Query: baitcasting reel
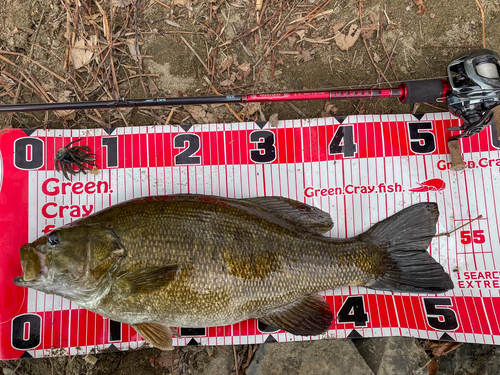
x=474, y=81
x=475, y=90
x=472, y=92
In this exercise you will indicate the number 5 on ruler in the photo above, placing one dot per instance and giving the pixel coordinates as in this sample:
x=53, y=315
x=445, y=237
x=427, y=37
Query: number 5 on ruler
x=439, y=314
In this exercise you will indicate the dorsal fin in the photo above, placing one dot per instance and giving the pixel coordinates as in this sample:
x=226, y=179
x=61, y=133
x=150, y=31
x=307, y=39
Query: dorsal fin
x=309, y=218
x=308, y=316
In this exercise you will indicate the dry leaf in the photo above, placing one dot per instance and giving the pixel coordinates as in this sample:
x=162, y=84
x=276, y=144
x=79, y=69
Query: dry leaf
x=330, y=109
x=368, y=30
x=376, y=57
x=249, y=110
x=210, y=118
x=94, y=170
x=337, y=27
x=226, y=63
x=15, y=31
x=121, y=3
x=301, y=33
x=422, y=9
x=344, y=42
x=166, y=359
x=173, y=23
x=79, y=55
x=90, y=89
x=153, y=89
x=197, y=112
x=64, y=97
x=134, y=49
x=305, y=56
x=244, y=67
x=94, y=42
x=273, y=120
x=432, y=367
x=184, y=3
x=6, y=82
x=226, y=83
x=442, y=347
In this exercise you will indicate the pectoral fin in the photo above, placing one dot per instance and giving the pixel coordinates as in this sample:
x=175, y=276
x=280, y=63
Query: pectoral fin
x=147, y=279
x=158, y=335
x=309, y=316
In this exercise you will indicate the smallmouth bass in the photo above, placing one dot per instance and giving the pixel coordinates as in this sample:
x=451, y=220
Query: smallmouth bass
x=200, y=261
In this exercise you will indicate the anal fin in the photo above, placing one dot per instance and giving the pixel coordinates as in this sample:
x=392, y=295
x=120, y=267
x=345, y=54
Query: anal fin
x=308, y=316
x=157, y=334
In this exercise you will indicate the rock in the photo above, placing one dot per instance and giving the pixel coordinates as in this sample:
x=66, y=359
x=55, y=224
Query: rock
x=92, y=359
x=372, y=350
x=332, y=357
x=471, y=359
x=402, y=355
x=219, y=364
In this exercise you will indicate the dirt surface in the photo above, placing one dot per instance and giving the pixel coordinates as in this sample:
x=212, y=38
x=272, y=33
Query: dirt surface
x=81, y=50
x=146, y=48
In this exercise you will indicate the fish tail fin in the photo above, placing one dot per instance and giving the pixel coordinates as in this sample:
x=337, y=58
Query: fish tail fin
x=406, y=237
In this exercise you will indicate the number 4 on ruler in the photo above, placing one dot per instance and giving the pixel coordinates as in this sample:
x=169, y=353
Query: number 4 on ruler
x=343, y=142
x=353, y=311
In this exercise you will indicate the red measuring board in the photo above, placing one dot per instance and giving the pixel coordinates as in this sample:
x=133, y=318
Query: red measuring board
x=360, y=169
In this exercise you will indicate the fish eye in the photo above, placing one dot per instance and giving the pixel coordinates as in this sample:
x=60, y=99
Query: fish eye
x=53, y=239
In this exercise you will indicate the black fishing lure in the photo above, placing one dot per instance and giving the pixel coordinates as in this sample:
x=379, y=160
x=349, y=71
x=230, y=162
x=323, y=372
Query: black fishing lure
x=79, y=157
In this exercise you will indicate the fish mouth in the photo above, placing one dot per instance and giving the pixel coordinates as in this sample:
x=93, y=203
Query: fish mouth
x=34, y=266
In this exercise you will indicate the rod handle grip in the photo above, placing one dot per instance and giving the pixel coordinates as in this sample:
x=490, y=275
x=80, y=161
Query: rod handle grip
x=457, y=162
x=426, y=91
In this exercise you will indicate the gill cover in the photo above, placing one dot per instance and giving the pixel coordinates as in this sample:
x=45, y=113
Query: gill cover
x=77, y=261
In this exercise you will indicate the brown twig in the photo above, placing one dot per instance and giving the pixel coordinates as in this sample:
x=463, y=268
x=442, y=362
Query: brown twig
x=31, y=61
x=388, y=57
x=392, y=53
x=139, y=58
x=227, y=105
x=109, y=40
x=482, y=20
x=309, y=17
x=159, y=2
x=254, y=29
x=366, y=46
x=236, y=362
x=448, y=234
x=194, y=52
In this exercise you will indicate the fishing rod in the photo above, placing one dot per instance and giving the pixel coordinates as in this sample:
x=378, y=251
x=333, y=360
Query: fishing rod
x=471, y=90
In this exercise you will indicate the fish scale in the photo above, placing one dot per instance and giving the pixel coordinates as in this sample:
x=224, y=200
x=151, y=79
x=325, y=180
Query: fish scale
x=198, y=261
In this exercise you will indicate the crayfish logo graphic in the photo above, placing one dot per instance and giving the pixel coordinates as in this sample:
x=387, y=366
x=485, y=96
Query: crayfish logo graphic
x=434, y=184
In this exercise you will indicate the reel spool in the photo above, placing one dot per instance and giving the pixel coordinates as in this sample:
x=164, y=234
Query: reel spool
x=474, y=81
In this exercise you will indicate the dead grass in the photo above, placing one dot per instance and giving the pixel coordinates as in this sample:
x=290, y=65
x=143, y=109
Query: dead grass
x=112, y=50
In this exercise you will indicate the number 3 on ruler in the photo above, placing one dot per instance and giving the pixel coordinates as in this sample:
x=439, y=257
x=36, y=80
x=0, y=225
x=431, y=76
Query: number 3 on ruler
x=266, y=151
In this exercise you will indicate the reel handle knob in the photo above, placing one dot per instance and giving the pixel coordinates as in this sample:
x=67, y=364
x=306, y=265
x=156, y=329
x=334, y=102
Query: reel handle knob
x=496, y=119
x=457, y=162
